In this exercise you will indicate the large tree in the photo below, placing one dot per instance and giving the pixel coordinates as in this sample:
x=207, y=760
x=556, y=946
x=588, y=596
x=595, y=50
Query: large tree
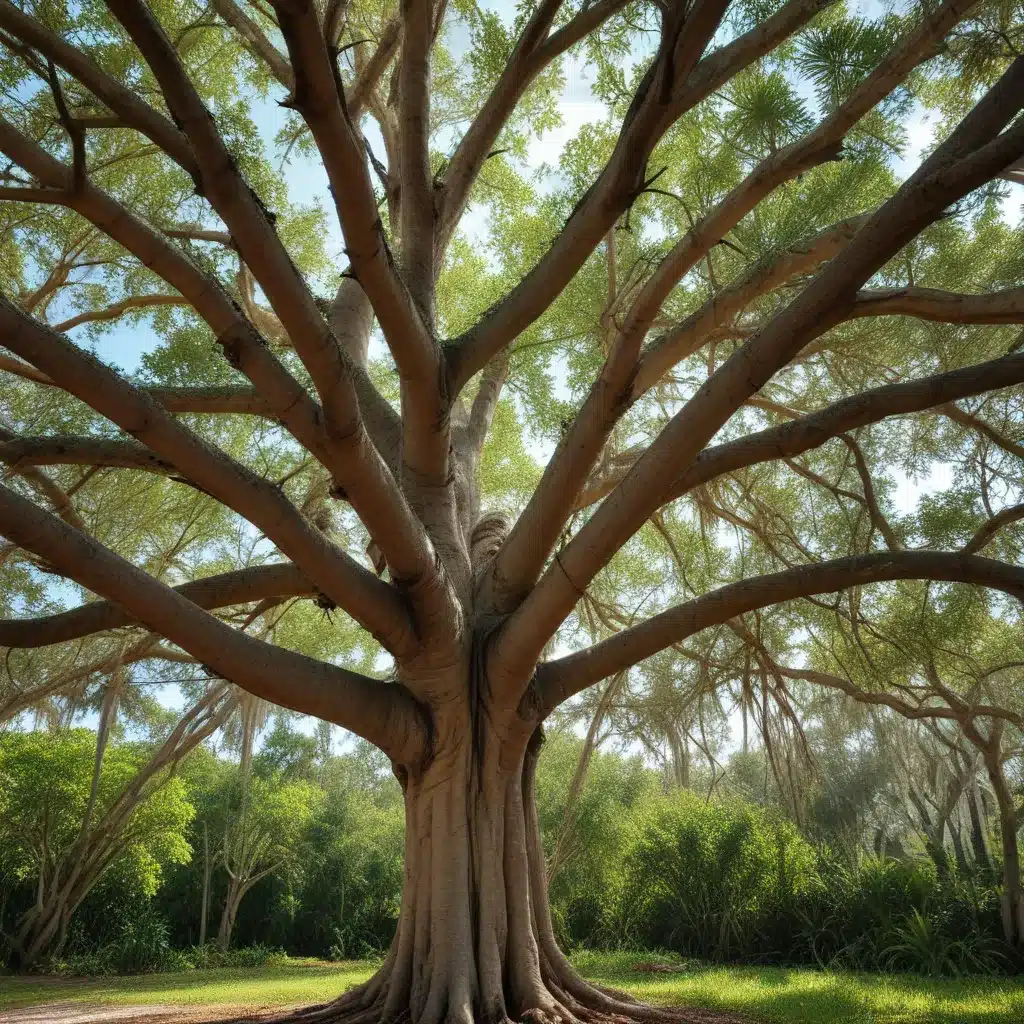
x=748, y=143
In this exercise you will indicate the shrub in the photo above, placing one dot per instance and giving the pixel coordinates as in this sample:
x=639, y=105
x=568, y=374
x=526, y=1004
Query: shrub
x=705, y=878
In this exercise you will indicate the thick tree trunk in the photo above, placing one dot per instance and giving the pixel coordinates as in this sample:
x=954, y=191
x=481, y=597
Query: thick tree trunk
x=474, y=941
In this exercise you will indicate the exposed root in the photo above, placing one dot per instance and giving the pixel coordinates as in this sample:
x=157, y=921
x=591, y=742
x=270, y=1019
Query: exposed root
x=567, y=999
x=475, y=943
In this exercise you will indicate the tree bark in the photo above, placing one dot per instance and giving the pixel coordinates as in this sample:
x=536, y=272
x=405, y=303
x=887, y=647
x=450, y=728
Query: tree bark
x=207, y=871
x=1013, y=897
x=474, y=941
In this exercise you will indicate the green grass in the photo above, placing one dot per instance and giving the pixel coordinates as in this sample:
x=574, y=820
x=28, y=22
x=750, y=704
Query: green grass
x=788, y=996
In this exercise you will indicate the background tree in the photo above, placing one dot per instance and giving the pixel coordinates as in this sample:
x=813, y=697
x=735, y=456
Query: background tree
x=140, y=189
x=70, y=817
x=266, y=826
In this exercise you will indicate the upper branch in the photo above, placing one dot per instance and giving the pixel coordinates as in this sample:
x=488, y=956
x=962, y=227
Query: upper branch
x=242, y=345
x=534, y=51
x=382, y=713
x=417, y=211
x=256, y=41
x=69, y=450
x=216, y=398
x=558, y=680
x=230, y=588
x=131, y=110
x=986, y=533
x=661, y=98
x=814, y=429
x=359, y=470
x=1005, y=307
x=41, y=482
x=319, y=97
x=975, y=153
x=822, y=144
x=621, y=383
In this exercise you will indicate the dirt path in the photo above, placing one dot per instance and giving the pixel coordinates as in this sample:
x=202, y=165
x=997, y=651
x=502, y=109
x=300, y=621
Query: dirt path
x=100, y=1013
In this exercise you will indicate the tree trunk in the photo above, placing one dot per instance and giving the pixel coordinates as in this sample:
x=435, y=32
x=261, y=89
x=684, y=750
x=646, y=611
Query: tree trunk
x=1013, y=897
x=207, y=871
x=474, y=941
x=978, y=844
x=232, y=901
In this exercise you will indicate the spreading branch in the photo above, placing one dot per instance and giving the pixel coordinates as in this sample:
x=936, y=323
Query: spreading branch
x=336, y=574
x=558, y=680
x=382, y=713
x=976, y=151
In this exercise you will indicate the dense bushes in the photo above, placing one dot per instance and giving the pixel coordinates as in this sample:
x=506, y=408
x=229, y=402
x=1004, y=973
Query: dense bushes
x=727, y=880
x=705, y=878
x=636, y=866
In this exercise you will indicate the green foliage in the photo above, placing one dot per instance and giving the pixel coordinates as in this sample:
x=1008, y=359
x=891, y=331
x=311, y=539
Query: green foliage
x=703, y=877
x=45, y=781
x=718, y=879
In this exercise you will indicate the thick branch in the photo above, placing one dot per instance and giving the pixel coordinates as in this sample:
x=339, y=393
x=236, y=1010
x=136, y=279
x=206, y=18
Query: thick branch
x=353, y=459
x=1005, y=307
x=242, y=346
x=416, y=186
x=371, y=72
x=319, y=99
x=558, y=680
x=661, y=98
x=372, y=603
x=382, y=713
x=814, y=429
x=986, y=533
x=227, y=398
x=485, y=401
x=675, y=345
x=563, y=486
x=70, y=450
x=239, y=587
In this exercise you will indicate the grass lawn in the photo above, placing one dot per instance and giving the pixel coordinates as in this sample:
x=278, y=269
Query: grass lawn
x=788, y=996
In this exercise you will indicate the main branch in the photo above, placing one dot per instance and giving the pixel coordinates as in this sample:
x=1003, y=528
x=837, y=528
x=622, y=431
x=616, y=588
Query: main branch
x=382, y=713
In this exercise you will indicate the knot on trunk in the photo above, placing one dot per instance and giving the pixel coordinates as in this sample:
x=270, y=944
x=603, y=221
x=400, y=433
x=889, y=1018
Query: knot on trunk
x=487, y=537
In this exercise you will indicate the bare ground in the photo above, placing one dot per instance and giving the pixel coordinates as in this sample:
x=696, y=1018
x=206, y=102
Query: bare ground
x=100, y=1013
